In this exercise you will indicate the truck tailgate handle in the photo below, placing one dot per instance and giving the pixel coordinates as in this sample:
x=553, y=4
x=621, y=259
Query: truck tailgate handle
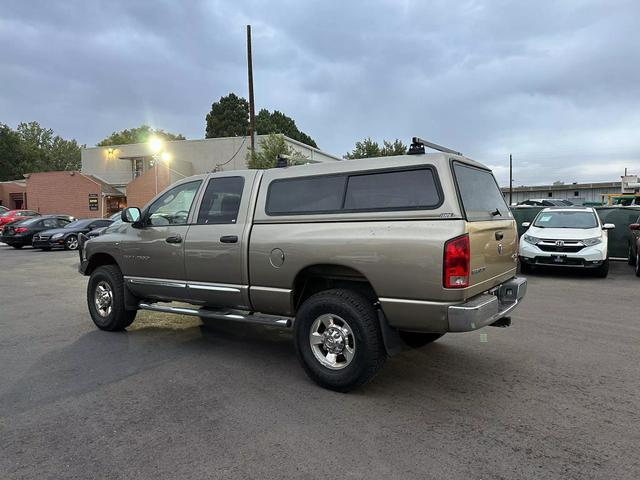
x=174, y=239
x=499, y=235
x=229, y=239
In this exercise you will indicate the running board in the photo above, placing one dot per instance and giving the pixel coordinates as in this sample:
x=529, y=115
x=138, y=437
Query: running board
x=226, y=314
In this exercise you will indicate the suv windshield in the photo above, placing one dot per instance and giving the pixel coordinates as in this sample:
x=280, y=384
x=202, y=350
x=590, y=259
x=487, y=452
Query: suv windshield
x=566, y=219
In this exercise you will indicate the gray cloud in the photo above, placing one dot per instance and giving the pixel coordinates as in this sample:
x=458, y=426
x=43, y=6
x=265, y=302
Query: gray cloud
x=555, y=83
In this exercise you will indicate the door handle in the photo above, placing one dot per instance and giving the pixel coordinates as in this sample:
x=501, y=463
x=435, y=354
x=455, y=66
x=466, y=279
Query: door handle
x=174, y=239
x=499, y=235
x=229, y=239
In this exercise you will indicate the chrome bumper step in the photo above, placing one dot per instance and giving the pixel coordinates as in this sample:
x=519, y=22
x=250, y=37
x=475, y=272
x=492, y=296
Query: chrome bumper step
x=224, y=314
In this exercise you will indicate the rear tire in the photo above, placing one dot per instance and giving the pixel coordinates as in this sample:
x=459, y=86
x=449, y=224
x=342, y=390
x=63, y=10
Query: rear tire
x=631, y=258
x=105, y=298
x=17, y=247
x=603, y=270
x=418, y=339
x=338, y=339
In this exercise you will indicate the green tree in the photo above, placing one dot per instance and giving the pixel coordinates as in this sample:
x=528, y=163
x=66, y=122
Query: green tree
x=11, y=154
x=278, y=122
x=229, y=117
x=139, y=134
x=33, y=148
x=368, y=148
x=269, y=149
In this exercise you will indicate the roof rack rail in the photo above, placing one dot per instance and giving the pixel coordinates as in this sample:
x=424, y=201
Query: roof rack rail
x=418, y=144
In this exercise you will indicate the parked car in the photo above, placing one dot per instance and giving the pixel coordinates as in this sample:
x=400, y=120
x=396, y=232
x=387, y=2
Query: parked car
x=546, y=202
x=566, y=237
x=19, y=234
x=633, y=257
x=12, y=215
x=363, y=254
x=96, y=232
x=67, y=236
x=3, y=209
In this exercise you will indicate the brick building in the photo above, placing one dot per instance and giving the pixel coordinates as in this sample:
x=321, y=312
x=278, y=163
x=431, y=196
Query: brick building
x=72, y=193
x=13, y=194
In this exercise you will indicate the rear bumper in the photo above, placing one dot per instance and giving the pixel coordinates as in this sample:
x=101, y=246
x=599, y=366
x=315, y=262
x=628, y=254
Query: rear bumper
x=487, y=308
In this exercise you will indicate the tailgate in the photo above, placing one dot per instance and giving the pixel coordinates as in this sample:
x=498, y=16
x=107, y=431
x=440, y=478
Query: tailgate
x=494, y=246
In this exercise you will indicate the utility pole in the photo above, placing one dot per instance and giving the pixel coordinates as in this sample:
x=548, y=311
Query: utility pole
x=252, y=108
x=510, y=180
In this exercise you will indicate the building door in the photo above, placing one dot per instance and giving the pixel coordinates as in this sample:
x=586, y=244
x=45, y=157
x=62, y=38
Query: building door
x=153, y=257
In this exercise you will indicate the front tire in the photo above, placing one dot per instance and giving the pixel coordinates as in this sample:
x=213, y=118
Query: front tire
x=71, y=243
x=105, y=298
x=603, y=270
x=338, y=339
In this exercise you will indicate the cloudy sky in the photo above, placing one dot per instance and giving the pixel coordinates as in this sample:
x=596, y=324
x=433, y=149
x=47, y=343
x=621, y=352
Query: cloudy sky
x=555, y=83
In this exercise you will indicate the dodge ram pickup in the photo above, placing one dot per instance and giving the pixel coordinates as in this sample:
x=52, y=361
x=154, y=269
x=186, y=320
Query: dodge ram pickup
x=358, y=256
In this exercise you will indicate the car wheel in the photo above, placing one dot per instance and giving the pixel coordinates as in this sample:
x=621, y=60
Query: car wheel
x=418, y=339
x=631, y=258
x=17, y=247
x=46, y=249
x=338, y=339
x=638, y=264
x=603, y=270
x=105, y=298
x=71, y=243
x=525, y=267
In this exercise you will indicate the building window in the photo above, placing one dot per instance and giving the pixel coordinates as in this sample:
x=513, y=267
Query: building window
x=550, y=194
x=576, y=194
x=138, y=167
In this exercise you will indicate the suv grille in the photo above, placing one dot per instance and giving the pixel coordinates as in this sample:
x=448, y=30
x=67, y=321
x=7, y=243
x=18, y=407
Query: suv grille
x=565, y=246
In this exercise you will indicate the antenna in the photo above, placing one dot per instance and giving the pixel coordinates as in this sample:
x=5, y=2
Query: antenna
x=418, y=144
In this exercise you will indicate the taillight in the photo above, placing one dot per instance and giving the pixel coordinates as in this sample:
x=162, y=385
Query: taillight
x=456, y=262
x=21, y=229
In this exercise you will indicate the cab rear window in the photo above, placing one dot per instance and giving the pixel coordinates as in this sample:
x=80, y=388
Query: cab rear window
x=386, y=190
x=479, y=193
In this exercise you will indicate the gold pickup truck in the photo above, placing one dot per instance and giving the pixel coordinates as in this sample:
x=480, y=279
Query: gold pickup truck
x=357, y=256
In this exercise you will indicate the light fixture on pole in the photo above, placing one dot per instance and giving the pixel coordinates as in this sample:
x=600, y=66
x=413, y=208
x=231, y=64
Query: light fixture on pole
x=155, y=144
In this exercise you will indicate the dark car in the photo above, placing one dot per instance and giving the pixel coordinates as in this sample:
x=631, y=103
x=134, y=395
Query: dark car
x=19, y=234
x=633, y=257
x=67, y=236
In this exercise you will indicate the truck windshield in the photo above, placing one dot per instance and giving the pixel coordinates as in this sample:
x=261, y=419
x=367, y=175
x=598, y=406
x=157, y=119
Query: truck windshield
x=480, y=195
x=566, y=219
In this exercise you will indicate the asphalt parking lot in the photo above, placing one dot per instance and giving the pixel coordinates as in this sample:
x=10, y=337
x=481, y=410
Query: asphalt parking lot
x=554, y=396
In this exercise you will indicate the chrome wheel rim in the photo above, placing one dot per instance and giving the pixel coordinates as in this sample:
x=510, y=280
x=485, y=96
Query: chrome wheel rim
x=103, y=298
x=332, y=341
x=72, y=243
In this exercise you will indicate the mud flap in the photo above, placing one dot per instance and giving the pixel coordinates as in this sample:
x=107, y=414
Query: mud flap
x=390, y=336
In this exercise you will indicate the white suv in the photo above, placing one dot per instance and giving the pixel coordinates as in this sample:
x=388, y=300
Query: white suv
x=567, y=237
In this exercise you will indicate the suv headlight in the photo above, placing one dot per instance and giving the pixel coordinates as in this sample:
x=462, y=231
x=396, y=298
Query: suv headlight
x=531, y=240
x=56, y=236
x=592, y=241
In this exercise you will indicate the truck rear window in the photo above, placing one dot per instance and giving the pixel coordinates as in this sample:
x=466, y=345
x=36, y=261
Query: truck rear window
x=412, y=189
x=481, y=198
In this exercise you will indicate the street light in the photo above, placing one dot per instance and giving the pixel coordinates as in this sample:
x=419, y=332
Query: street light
x=155, y=144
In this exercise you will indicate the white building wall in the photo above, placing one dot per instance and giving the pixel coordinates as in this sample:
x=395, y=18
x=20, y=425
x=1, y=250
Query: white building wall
x=188, y=157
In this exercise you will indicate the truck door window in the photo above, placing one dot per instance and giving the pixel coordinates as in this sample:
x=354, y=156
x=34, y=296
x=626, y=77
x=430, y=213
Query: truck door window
x=221, y=201
x=173, y=207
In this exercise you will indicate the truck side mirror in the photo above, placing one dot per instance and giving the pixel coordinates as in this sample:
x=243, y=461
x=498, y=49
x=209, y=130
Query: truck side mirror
x=526, y=224
x=130, y=215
